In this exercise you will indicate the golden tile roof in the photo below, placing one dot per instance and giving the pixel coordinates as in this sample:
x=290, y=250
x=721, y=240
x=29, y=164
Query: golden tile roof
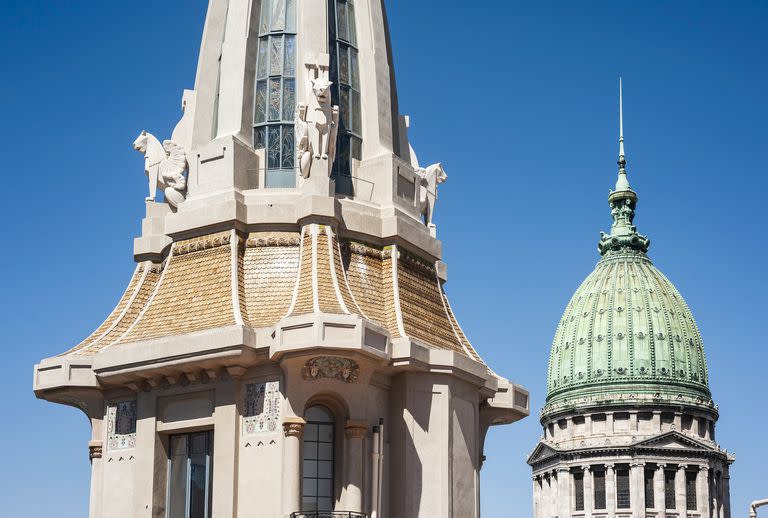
x=222, y=279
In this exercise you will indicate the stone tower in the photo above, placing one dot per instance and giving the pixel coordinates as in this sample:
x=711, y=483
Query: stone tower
x=629, y=421
x=285, y=346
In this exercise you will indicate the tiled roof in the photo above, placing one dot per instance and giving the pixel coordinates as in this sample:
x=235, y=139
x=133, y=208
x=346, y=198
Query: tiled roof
x=221, y=279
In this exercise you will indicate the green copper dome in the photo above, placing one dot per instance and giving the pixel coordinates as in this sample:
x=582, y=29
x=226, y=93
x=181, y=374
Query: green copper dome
x=626, y=333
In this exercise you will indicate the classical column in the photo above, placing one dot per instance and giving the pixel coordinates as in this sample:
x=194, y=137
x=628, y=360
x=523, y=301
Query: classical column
x=702, y=491
x=680, y=500
x=293, y=427
x=633, y=422
x=565, y=494
x=589, y=493
x=678, y=422
x=354, y=432
x=637, y=488
x=536, y=496
x=726, y=502
x=659, y=495
x=610, y=488
x=609, y=424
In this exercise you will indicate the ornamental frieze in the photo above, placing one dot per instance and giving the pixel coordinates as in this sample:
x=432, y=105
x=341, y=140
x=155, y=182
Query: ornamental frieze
x=331, y=367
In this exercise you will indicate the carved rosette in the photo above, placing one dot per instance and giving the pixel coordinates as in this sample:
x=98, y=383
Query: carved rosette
x=331, y=367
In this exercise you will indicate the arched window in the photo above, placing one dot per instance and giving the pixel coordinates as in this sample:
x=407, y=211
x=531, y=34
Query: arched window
x=318, y=466
x=345, y=92
x=275, y=93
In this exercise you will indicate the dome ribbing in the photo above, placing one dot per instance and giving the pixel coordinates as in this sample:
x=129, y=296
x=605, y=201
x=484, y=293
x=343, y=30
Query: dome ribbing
x=627, y=332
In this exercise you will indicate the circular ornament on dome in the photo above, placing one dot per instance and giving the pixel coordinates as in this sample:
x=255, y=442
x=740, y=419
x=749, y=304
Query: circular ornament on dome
x=620, y=335
x=621, y=370
x=640, y=335
x=600, y=338
x=660, y=336
x=664, y=371
x=619, y=309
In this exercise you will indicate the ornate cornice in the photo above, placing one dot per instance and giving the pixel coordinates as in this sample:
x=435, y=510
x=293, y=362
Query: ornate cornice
x=202, y=243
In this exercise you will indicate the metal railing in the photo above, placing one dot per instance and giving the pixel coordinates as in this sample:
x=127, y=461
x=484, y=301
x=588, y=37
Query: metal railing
x=328, y=514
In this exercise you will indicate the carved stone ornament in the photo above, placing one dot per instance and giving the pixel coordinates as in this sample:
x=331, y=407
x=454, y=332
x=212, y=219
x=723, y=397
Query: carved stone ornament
x=332, y=367
x=95, y=450
x=164, y=165
x=317, y=123
x=294, y=427
x=431, y=177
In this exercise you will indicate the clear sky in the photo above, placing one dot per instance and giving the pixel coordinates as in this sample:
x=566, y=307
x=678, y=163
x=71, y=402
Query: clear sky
x=520, y=104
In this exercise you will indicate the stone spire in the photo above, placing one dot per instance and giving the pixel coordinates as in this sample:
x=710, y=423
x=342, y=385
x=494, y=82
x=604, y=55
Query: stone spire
x=622, y=201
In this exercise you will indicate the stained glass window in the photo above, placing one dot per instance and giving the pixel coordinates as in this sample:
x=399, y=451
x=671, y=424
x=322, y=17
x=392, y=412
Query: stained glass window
x=622, y=488
x=275, y=93
x=345, y=75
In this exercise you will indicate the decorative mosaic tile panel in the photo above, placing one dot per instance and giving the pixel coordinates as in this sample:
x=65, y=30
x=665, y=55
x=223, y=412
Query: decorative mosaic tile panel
x=121, y=425
x=261, y=412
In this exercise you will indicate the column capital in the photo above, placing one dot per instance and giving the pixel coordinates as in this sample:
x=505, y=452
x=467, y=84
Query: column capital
x=661, y=466
x=95, y=449
x=609, y=466
x=355, y=429
x=682, y=467
x=638, y=464
x=586, y=469
x=562, y=469
x=293, y=426
x=703, y=468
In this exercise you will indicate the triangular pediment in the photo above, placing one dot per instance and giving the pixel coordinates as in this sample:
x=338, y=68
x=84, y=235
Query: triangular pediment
x=673, y=441
x=542, y=452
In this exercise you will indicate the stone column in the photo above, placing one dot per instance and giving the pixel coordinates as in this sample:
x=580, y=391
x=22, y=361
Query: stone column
x=354, y=432
x=609, y=424
x=678, y=422
x=555, y=493
x=680, y=504
x=659, y=498
x=610, y=487
x=226, y=442
x=702, y=491
x=95, y=450
x=589, y=493
x=565, y=494
x=726, y=502
x=656, y=422
x=637, y=488
x=633, y=422
x=588, y=425
x=293, y=427
x=536, y=496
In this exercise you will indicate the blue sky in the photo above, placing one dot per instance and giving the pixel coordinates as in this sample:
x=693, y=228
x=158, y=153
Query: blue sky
x=517, y=100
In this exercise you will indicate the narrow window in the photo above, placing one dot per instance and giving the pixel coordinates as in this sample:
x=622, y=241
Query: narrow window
x=599, y=481
x=690, y=491
x=669, y=489
x=578, y=486
x=345, y=91
x=317, y=477
x=622, y=488
x=275, y=92
x=190, y=475
x=649, y=496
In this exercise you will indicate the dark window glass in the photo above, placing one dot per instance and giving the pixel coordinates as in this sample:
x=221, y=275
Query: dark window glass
x=578, y=489
x=669, y=489
x=599, y=486
x=649, y=496
x=345, y=91
x=275, y=103
x=690, y=491
x=622, y=489
x=318, y=460
x=190, y=475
